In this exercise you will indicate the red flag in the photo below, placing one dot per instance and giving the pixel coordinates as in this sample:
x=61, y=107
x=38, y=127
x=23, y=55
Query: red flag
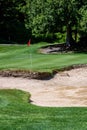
x=29, y=42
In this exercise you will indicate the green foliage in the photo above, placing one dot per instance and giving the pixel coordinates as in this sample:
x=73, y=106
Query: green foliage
x=17, y=113
x=60, y=37
x=83, y=20
x=41, y=18
x=45, y=17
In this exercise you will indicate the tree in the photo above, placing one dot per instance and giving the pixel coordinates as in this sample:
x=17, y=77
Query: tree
x=70, y=16
x=42, y=16
x=45, y=16
x=83, y=20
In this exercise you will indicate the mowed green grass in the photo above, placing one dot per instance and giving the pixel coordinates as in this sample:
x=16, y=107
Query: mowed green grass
x=24, y=57
x=16, y=113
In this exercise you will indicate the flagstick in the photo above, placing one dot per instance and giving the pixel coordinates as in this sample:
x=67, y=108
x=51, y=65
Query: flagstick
x=29, y=42
x=31, y=61
x=31, y=65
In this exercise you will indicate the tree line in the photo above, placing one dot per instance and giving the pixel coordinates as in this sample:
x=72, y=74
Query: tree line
x=43, y=20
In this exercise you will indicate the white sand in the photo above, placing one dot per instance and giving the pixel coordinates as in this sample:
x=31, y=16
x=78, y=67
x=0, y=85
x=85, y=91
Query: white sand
x=68, y=88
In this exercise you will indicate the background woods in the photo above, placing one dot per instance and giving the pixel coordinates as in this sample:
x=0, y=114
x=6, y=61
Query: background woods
x=46, y=20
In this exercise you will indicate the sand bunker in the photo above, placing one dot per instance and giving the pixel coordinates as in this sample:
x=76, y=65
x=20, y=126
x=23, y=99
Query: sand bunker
x=66, y=89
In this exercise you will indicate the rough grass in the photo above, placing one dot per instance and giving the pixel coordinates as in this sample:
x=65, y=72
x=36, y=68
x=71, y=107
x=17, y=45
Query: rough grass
x=16, y=113
x=23, y=57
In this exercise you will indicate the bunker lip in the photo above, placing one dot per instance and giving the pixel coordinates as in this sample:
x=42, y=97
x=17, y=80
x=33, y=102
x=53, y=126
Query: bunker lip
x=37, y=75
x=66, y=89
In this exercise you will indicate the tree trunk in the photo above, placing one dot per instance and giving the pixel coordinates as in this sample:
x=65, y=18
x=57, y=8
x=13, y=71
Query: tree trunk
x=69, y=40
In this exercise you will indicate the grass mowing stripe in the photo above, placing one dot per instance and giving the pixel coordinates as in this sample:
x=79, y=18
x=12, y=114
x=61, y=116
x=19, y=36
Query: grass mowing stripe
x=19, y=57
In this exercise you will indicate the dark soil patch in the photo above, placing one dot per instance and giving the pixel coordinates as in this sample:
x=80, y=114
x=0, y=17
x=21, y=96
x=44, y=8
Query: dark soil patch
x=36, y=75
x=53, y=48
x=25, y=74
x=62, y=48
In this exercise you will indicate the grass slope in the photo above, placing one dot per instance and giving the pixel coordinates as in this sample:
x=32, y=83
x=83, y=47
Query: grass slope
x=17, y=114
x=23, y=57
